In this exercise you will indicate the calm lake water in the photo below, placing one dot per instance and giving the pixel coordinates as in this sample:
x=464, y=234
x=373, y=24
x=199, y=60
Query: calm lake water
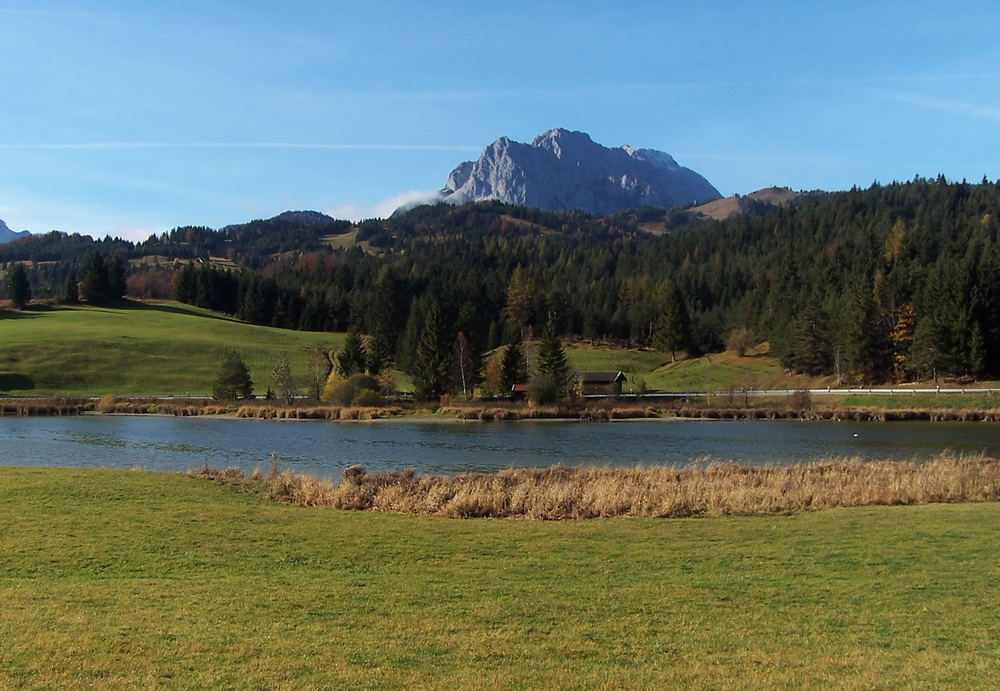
x=325, y=449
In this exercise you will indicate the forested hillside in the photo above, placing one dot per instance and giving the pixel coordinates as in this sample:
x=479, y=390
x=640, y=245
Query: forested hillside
x=882, y=284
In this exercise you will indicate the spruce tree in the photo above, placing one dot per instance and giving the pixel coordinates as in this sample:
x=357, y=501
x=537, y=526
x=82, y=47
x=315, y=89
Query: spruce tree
x=552, y=363
x=406, y=349
x=864, y=347
x=94, y=282
x=351, y=359
x=234, y=378
x=378, y=353
x=432, y=366
x=71, y=291
x=117, y=282
x=673, y=328
x=18, y=287
x=513, y=367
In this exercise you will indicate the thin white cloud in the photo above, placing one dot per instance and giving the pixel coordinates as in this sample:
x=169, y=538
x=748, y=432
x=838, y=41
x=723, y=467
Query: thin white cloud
x=405, y=201
x=948, y=106
x=346, y=212
x=241, y=145
x=589, y=89
x=762, y=159
x=46, y=13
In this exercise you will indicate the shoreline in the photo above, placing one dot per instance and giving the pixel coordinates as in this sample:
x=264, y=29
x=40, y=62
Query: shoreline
x=572, y=411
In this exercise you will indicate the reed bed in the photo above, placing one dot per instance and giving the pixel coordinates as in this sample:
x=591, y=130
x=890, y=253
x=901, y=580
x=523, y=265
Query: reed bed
x=315, y=413
x=555, y=412
x=561, y=492
x=44, y=408
x=850, y=414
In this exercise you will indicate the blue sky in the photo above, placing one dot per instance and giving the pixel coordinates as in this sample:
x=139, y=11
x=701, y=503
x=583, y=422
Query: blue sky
x=131, y=118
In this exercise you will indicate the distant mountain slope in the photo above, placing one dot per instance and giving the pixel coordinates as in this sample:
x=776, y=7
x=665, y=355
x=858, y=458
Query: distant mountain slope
x=6, y=234
x=565, y=171
x=763, y=199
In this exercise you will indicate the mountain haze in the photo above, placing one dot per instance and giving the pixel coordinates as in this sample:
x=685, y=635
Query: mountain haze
x=6, y=234
x=562, y=170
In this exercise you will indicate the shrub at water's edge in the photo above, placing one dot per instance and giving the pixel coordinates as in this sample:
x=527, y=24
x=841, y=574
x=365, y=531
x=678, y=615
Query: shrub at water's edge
x=562, y=492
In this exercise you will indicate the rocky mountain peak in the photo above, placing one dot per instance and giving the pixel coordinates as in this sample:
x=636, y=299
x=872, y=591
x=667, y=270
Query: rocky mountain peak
x=563, y=170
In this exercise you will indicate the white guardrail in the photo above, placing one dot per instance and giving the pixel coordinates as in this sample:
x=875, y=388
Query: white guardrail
x=812, y=392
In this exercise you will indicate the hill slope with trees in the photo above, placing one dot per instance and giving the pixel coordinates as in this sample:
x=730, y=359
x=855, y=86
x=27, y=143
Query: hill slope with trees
x=873, y=285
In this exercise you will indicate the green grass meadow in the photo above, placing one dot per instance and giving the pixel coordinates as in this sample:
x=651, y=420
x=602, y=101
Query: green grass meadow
x=144, y=348
x=119, y=579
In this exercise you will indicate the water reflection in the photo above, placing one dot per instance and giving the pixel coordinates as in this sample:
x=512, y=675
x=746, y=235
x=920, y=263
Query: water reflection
x=324, y=449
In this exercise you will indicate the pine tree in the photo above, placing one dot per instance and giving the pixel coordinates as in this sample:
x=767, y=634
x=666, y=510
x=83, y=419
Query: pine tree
x=406, y=350
x=864, y=346
x=520, y=298
x=432, y=367
x=812, y=350
x=673, y=328
x=378, y=353
x=117, y=282
x=351, y=359
x=18, y=287
x=552, y=363
x=71, y=291
x=185, y=287
x=902, y=337
x=926, y=355
x=94, y=282
x=234, y=378
x=513, y=366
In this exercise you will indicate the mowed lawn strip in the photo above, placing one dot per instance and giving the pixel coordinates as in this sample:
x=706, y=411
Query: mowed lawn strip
x=126, y=579
x=143, y=348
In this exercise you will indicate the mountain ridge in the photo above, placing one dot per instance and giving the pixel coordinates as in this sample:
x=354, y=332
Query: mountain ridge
x=563, y=170
x=6, y=234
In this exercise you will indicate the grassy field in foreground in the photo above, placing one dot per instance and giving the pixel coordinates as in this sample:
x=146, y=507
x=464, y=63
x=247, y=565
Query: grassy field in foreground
x=115, y=580
x=144, y=348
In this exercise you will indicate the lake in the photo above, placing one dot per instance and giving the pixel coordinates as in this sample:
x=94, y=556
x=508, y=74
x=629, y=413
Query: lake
x=325, y=449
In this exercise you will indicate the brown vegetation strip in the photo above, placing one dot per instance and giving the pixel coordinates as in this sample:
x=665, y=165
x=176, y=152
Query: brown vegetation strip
x=562, y=492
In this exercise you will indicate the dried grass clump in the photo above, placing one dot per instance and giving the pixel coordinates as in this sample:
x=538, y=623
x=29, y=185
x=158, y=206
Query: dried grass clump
x=718, y=489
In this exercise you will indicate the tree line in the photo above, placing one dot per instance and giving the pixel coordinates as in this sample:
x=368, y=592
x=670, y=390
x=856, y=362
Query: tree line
x=874, y=285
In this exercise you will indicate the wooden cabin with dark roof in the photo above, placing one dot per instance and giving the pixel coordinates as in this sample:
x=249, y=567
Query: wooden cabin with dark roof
x=602, y=383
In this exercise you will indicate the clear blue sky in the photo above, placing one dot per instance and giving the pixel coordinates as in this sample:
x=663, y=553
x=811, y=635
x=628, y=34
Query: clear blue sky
x=133, y=117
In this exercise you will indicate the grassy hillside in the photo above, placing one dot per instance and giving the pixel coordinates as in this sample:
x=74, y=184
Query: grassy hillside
x=170, y=348
x=135, y=580
x=713, y=372
x=143, y=348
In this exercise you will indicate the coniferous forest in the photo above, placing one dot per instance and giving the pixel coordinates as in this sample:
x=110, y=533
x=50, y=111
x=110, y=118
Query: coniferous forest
x=876, y=285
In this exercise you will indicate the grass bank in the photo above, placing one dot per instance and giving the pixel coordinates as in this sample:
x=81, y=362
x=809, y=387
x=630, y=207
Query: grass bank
x=139, y=348
x=116, y=580
x=562, y=492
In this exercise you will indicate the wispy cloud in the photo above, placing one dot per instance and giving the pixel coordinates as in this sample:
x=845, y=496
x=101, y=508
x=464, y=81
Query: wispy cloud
x=550, y=92
x=405, y=201
x=46, y=13
x=963, y=108
x=759, y=159
x=240, y=145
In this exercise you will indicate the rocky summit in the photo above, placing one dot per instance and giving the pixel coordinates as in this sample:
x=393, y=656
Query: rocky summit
x=562, y=170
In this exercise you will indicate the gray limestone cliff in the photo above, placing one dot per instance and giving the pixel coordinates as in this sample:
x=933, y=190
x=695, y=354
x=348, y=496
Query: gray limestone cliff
x=562, y=171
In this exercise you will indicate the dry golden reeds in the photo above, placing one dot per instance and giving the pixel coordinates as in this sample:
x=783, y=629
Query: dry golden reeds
x=562, y=492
